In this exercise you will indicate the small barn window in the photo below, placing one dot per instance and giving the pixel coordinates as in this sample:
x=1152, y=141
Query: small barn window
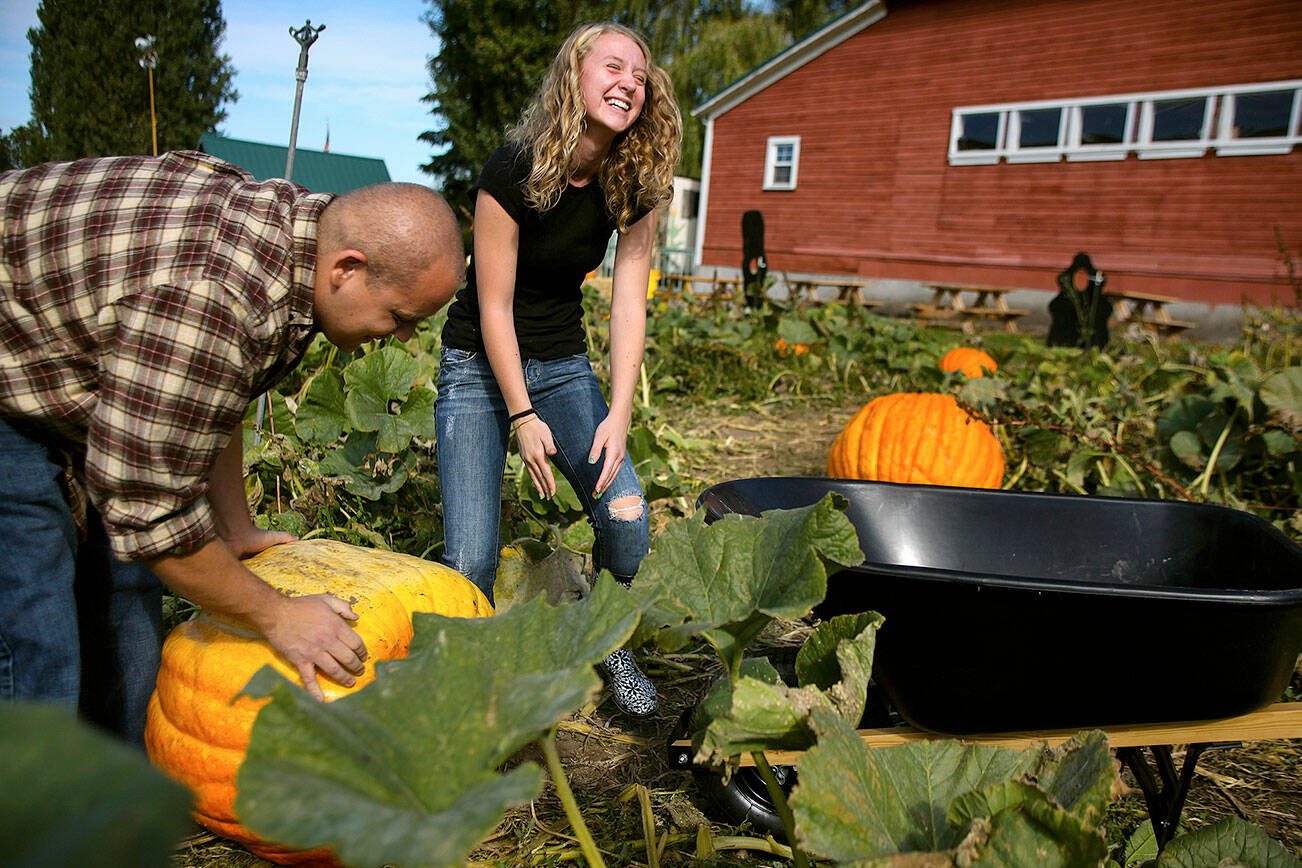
x=1037, y=136
x=978, y=137
x=1101, y=131
x=1243, y=119
x=1259, y=122
x=781, y=162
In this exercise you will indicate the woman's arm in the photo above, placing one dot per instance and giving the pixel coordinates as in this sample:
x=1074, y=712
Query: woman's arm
x=627, y=341
x=497, y=246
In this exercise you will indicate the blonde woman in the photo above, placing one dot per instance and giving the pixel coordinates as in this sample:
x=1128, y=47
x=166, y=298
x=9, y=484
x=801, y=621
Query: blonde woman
x=594, y=153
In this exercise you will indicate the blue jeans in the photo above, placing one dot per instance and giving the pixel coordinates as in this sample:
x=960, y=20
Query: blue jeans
x=472, y=433
x=77, y=626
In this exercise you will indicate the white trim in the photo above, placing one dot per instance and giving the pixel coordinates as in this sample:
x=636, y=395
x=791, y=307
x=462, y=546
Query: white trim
x=1216, y=131
x=703, y=204
x=782, y=65
x=771, y=163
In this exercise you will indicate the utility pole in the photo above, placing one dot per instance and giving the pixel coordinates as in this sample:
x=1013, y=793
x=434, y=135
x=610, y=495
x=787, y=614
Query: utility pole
x=304, y=36
x=148, y=60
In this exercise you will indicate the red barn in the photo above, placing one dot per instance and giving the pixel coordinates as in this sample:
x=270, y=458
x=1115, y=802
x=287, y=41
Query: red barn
x=987, y=141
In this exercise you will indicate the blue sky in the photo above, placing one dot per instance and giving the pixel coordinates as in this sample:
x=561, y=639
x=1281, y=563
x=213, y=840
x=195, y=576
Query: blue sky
x=366, y=75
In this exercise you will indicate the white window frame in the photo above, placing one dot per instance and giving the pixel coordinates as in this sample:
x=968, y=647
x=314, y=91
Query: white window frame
x=1216, y=132
x=976, y=156
x=1039, y=153
x=771, y=162
x=1228, y=146
x=1078, y=151
x=1176, y=148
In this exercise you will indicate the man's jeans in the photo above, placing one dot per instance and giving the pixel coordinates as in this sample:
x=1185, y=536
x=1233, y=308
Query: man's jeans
x=472, y=441
x=77, y=626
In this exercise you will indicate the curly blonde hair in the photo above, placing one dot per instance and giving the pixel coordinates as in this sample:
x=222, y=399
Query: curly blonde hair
x=638, y=171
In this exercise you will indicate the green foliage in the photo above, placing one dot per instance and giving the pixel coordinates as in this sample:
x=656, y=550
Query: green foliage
x=1231, y=843
x=726, y=581
x=991, y=805
x=71, y=795
x=408, y=770
x=89, y=94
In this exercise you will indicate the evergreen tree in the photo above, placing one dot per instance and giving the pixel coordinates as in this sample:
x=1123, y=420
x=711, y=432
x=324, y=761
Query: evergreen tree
x=803, y=17
x=90, y=95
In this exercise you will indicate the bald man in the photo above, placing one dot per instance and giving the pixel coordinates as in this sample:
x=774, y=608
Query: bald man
x=143, y=303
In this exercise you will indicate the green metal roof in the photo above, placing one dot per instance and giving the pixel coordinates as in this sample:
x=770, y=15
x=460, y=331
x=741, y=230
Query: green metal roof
x=319, y=171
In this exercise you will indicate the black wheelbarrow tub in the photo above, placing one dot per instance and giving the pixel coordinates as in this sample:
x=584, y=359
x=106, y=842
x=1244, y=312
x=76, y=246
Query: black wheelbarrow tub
x=1010, y=611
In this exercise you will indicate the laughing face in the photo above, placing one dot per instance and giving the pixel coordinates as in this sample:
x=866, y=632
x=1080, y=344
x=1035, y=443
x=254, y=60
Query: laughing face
x=612, y=78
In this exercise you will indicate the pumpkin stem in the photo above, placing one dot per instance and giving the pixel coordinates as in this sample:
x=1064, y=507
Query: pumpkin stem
x=566, y=795
x=798, y=858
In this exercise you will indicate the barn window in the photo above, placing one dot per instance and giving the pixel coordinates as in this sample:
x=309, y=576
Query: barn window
x=781, y=163
x=1175, y=127
x=1260, y=122
x=1036, y=136
x=1243, y=119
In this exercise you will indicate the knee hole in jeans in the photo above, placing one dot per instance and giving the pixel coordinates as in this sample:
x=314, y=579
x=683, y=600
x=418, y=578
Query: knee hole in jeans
x=627, y=508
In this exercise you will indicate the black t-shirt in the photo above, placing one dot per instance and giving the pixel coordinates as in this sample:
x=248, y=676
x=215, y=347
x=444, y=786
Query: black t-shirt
x=557, y=250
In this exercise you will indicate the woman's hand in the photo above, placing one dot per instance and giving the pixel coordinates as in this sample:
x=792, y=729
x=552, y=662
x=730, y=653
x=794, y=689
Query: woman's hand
x=534, y=439
x=610, y=441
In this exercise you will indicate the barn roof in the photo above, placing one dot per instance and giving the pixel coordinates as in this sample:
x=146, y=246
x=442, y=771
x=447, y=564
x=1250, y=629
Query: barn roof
x=782, y=65
x=319, y=171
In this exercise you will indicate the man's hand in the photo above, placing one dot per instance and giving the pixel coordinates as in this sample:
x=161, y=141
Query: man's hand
x=312, y=634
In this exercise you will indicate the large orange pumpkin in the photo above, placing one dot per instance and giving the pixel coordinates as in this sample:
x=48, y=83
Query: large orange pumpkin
x=918, y=437
x=971, y=362
x=197, y=732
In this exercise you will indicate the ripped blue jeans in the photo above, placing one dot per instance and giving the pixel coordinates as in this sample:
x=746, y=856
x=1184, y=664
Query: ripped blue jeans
x=472, y=431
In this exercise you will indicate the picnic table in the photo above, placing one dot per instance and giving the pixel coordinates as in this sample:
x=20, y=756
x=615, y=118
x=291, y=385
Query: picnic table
x=716, y=290
x=806, y=289
x=983, y=303
x=1139, y=312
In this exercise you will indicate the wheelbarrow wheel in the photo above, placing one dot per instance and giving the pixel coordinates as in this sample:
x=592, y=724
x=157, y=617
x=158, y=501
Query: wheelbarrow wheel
x=745, y=798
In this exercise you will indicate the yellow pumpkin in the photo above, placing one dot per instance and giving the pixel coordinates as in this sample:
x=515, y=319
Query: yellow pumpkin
x=920, y=438
x=197, y=732
x=971, y=362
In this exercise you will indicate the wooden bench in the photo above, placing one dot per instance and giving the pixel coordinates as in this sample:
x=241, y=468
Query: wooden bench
x=1008, y=315
x=986, y=304
x=1140, y=312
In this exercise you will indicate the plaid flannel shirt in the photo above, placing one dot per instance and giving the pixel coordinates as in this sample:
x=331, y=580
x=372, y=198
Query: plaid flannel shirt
x=143, y=303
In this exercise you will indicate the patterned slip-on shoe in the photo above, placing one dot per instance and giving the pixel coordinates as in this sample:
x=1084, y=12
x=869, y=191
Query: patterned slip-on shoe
x=634, y=693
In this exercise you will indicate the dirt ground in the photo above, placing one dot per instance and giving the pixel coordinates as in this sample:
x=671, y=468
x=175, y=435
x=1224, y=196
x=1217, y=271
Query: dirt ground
x=608, y=757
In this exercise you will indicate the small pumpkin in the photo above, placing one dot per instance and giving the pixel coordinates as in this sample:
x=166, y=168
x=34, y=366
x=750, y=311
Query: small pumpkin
x=918, y=437
x=197, y=731
x=787, y=349
x=971, y=362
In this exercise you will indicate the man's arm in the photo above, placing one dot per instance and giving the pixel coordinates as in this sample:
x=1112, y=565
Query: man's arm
x=229, y=506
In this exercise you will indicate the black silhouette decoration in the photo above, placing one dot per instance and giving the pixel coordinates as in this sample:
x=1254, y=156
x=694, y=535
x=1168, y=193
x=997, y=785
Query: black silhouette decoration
x=1079, y=314
x=754, y=267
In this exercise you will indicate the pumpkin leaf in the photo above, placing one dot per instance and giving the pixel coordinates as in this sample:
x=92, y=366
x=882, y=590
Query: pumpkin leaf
x=853, y=802
x=71, y=795
x=1230, y=843
x=381, y=398
x=833, y=669
x=365, y=471
x=1034, y=832
x=728, y=579
x=1184, y=415
x=322, y=417
x=406, y=770
x=1282, y=393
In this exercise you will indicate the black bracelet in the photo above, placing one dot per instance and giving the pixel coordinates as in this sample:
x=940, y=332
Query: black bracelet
x=522, y=414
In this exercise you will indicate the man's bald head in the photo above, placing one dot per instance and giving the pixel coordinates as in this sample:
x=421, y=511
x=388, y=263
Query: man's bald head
x=403, y=230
